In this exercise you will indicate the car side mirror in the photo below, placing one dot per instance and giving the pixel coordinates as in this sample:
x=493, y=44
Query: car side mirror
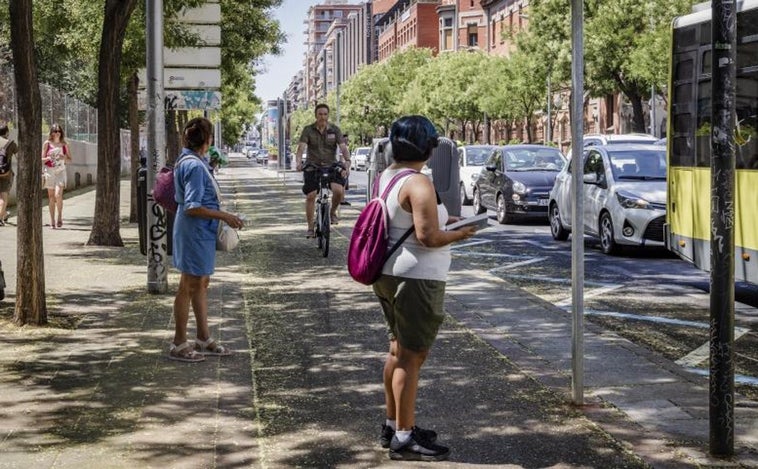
x=491, y=167
x=590, y=179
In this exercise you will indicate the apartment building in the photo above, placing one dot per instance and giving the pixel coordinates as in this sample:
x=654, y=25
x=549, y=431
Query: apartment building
x=462, y=25
x=409, y=23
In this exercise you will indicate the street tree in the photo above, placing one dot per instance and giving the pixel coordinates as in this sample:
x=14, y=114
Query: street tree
x=31, y=307
x=443, y=88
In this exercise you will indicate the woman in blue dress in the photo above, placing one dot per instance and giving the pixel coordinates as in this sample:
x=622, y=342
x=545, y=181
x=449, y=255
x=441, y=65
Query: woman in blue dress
x=194, y=249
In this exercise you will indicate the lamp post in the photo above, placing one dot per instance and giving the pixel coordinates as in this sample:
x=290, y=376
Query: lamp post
x=549, y=132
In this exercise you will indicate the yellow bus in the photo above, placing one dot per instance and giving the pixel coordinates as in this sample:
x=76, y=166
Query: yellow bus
x=688, y=215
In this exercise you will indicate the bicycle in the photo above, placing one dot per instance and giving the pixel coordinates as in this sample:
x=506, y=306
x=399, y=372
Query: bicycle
x=323, y=220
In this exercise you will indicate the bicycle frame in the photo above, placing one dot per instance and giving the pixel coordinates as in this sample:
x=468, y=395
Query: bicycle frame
x=323, y=209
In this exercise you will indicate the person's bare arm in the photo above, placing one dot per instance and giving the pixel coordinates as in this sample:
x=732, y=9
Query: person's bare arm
x=229, y=218
x=418, y=196
x=299, y=156
x=345, y=157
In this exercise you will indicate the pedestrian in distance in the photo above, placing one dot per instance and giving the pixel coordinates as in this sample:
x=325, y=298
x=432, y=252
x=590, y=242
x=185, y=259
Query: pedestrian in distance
x=411, y=288
x=8, y=148
x=322, y=139
x=194, y=248
x=55, y=155
x=347, y=179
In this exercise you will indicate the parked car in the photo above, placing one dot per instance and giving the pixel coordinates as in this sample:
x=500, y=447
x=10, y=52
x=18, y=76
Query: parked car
x=359, y=159
x=591, y=140
x=262, y=156
x=516, y=181
x=624, y=189
x=471, y=160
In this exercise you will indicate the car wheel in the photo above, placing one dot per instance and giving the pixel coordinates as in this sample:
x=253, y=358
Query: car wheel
x=556, y=226
x=607, y=240
x=478, y=207
x=502, y=211
x=464, y=200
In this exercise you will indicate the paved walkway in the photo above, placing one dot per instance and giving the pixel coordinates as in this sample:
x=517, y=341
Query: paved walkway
x=303, y=389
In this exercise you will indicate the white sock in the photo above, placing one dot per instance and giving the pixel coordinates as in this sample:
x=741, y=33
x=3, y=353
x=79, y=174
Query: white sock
x=403, y=435
x=391, y=423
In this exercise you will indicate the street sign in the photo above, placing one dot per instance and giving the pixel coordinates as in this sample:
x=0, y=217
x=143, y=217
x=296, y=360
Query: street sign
x=210, y=34
x=183, y=100
x=204, y=79
x=192, y=57
x=210, y=13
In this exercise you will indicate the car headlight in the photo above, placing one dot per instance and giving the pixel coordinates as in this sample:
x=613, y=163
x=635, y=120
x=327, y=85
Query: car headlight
x=629, y=200
x=519, y=187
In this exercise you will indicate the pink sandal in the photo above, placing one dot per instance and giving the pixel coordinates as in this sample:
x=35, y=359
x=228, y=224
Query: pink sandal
x=184, y=353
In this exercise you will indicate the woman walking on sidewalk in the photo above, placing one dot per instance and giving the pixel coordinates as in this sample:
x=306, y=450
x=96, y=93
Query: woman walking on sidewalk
x=55, y=155
x=194, y=248
x=411, y=288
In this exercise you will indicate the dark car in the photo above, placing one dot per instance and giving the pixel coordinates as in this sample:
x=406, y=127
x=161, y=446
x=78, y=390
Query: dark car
x=516, y=181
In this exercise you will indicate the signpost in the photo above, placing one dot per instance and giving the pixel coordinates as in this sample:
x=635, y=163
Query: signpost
x=192, y=80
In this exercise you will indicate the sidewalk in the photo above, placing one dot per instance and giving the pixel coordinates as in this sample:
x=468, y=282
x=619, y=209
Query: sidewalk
x=303, y=388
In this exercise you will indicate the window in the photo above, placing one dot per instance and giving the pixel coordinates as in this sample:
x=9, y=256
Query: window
x=594, y=165
x=473, y=35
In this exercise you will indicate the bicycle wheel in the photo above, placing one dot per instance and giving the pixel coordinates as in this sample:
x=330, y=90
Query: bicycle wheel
x=320, y=225
x=326, y=223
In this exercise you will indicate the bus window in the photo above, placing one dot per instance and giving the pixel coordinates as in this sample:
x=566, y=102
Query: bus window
x=747, y=39
x=685, y=38
x=746, y=133
x=703, y=131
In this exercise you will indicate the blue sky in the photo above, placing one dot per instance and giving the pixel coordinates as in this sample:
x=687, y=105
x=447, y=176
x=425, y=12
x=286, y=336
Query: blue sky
x=278, y=71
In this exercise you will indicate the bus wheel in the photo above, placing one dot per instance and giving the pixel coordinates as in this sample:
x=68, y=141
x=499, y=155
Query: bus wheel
x=607, y=241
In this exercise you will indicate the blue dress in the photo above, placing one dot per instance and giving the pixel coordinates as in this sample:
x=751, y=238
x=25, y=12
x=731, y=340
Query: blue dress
x=194, y=249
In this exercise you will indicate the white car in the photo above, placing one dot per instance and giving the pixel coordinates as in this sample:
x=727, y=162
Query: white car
x=624, y=189
x=359, y=159
x=471, y=159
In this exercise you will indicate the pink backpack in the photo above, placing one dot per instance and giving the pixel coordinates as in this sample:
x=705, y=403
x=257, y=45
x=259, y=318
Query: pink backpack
x=164, y=192
x=367, y=251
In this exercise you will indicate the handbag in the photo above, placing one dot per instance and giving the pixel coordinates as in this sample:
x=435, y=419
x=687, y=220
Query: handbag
x=227, y=237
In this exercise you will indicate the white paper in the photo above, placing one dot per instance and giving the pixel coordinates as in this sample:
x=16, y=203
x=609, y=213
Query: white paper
x=481, y=221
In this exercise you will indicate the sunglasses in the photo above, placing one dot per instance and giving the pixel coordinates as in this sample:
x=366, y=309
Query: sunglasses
x=55, y=132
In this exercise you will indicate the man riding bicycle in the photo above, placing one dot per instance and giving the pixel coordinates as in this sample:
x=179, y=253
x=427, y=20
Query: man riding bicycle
x=322, y=140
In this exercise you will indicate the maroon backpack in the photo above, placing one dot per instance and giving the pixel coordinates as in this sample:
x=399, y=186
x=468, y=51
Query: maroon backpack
x=367, y=251
x=164, y=192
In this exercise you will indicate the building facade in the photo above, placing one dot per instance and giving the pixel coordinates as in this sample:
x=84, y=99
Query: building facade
x=409, y=23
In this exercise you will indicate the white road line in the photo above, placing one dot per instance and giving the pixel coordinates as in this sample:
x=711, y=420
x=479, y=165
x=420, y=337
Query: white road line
x=517, y=264
x=739, y=379
x=639, y=317
x=702, y=353
x=490, y=254
x=540, y=278
x=473, y=243
x=591, y=294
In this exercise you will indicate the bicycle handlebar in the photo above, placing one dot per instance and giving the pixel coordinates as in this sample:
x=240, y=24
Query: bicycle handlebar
x=334, y=165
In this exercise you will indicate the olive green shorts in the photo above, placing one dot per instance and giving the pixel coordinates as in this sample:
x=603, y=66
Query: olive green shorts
x=413, y=309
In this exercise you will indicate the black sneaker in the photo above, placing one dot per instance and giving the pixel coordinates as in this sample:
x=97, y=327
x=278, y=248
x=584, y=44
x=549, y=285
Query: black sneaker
x=423, y=434
x=416, y=449
x=345, y=202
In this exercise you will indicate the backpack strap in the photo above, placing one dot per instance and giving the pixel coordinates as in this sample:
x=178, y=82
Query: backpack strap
x=393, y=181
x=386, y=192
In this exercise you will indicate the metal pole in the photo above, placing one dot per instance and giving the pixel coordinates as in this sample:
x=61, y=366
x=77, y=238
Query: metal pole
x=577, y=201
x=549, y=135
x=721, y=402
x=652, y=111
x=337, y=74
x=156, y=236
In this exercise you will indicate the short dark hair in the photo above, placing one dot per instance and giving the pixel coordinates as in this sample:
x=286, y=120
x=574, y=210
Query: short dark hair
x=197, y=133
x=413, y=138
x=3, y=129
x=321, y=106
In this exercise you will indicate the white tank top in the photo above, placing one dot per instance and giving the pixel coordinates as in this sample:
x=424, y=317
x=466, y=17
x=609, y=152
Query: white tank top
x=412, y=259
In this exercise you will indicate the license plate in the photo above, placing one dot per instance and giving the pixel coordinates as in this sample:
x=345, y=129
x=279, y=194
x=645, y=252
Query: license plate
x=542, y=203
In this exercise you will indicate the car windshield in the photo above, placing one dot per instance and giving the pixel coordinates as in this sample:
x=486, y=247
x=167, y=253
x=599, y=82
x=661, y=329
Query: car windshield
x=528, y=159
x=476, y=156
x=642, y=165
x=362, y=151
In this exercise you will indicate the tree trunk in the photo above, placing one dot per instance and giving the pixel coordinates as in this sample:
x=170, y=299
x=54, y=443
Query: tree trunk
x=105, y=226
x=31, y=307
x=134, y=144
x=638, y=117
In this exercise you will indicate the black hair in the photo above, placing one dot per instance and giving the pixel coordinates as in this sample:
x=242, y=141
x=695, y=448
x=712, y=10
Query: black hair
x=321, y=106
x=197, y=133
x=413, y=138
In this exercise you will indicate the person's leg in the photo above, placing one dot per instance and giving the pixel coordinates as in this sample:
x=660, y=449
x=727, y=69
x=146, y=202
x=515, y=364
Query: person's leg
x=200, y=307
x=184, y=295
x=59, y=203
x=405, y=385
x=338, y=193
x=51, y=205
x=3, y=206
x=390, y=363
x=310, y=208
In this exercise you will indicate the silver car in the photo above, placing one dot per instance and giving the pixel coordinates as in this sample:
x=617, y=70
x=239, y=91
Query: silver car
x=624, y=196
x=471, y=160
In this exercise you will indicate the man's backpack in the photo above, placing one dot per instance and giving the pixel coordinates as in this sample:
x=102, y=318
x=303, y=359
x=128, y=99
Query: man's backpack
x=367, y=251
x=5, y=161
x=164, y=192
